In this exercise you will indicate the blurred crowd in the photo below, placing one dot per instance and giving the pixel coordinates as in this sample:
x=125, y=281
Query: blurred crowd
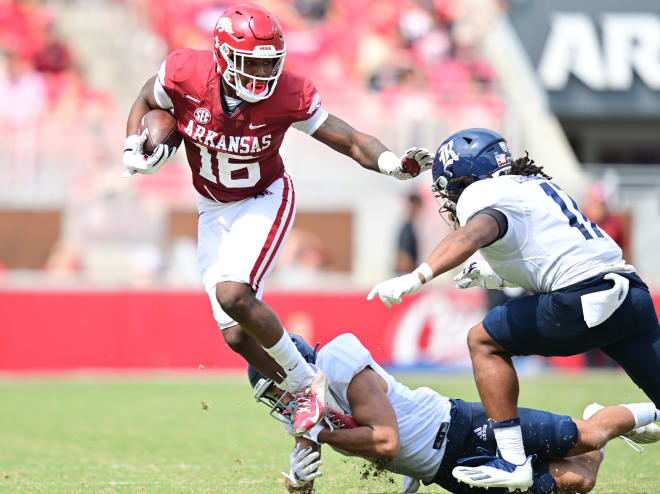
x=409, y=51
x=50, y=118
x=409, y=64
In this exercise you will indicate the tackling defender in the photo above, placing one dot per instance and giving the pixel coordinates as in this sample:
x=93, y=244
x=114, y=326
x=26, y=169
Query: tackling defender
x=233, y=104
x=424, y=435
x=533, y=235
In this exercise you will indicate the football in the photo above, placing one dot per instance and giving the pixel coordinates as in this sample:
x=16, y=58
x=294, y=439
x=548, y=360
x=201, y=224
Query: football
x=162, y=130
x=410, y=165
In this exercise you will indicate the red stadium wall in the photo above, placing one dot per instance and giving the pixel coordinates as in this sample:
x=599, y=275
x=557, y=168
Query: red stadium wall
x=46, y=331
x=63, y=331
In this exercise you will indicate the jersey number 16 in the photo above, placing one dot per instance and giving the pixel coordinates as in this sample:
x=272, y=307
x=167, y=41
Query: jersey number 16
x=225, y=169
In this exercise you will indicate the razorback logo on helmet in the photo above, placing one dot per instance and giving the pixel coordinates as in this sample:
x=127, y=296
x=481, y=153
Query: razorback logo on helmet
x=202, y=115
x=224, y=25
x=447, y=154
x=503, y=146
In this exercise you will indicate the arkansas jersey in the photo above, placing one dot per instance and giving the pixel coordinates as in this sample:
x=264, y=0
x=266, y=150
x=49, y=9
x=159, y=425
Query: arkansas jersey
x=233, y=156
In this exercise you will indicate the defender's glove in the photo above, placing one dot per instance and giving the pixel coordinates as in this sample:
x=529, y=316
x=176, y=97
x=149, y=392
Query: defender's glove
x=136, y=161
x=410, y=484
x=479, y=273
x=391, y=291
x=304, y=466
x=411, y=164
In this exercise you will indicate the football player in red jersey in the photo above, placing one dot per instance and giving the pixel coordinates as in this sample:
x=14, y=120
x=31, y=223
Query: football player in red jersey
x=233, y=105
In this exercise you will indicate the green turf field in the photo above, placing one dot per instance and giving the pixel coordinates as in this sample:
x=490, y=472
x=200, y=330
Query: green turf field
x=153, y=435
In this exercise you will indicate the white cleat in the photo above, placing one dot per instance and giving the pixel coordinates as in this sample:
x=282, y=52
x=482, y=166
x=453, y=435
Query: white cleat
x=646, y=434
x=498, y=473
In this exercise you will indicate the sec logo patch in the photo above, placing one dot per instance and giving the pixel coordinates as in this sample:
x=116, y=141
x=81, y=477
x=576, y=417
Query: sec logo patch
x=202, y=115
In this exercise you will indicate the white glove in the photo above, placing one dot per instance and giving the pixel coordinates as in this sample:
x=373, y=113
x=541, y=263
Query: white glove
x=411, y=164
x=391, y=291
x=136, y=161
x=410, y=484
x=303, y=466
x=479, y=273
x=313, y=433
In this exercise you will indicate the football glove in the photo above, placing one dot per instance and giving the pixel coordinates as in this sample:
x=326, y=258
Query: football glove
x=304, y=466
x=391, y=291
x=479, y=273
x=136, y=161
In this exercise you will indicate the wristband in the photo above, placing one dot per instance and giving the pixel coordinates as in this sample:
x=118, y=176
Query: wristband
x=313, y=433
x=425, y=270
x=388, y=162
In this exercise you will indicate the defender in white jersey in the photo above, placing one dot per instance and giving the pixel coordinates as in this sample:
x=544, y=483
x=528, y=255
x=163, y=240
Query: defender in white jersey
x=422, y=435
x=533, y=235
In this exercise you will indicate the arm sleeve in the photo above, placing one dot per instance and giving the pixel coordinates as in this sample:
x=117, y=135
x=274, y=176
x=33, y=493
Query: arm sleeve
x=499, y=217
x=341, y=360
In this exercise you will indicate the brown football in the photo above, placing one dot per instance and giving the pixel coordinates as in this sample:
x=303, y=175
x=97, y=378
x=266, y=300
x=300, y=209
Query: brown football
x=162, y=130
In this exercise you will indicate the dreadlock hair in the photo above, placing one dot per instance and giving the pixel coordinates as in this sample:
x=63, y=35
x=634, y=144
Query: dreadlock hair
x=523, y=166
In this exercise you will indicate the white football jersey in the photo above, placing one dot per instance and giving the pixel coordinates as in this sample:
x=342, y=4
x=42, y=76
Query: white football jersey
x=549, y=243
x=419, y=412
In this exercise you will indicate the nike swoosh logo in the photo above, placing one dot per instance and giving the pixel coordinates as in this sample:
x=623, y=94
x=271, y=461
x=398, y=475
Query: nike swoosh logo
x=315, y=418
x=252, y=126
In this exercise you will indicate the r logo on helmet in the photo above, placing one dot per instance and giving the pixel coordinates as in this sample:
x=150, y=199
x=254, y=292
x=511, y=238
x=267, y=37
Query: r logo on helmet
x=447, y=154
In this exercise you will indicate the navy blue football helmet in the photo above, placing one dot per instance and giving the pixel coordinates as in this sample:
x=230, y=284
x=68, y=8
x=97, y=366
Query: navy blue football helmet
x=281, y=408
x=476, y=153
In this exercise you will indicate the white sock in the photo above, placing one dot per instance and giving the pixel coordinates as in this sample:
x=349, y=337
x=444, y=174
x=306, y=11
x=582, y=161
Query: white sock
x=287, y=386
x=510, y=443
x=298, y=371
x=644, y=413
